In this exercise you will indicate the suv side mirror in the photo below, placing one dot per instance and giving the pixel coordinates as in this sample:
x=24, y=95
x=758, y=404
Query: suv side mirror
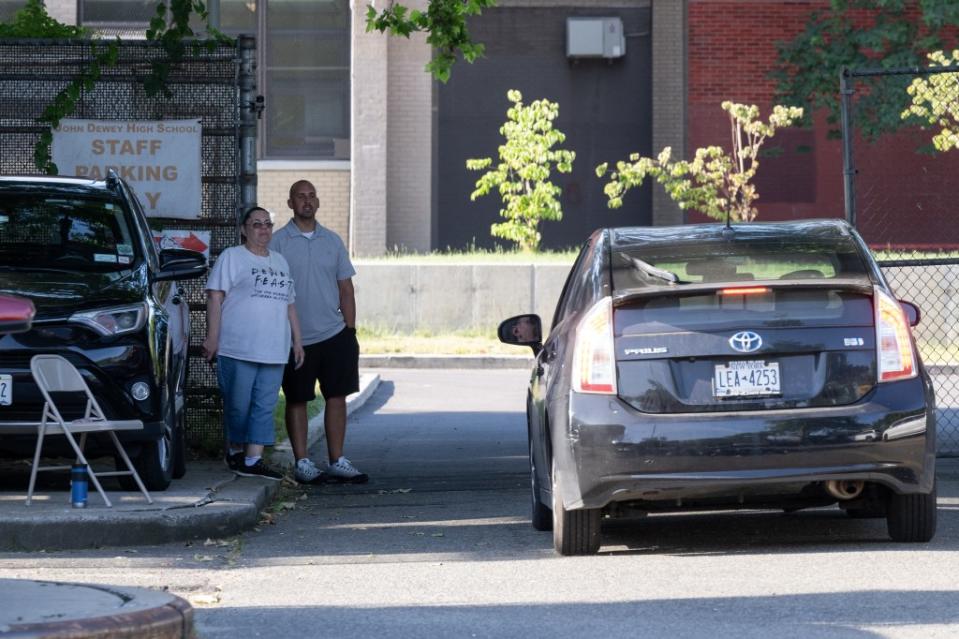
x=913, y=315
x=180, y=264
x=522, y=330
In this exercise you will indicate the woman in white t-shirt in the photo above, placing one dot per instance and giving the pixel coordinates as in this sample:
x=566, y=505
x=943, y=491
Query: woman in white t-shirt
x=251, y=323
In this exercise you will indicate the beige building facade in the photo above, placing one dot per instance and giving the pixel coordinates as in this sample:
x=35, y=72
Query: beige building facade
x=376, y=176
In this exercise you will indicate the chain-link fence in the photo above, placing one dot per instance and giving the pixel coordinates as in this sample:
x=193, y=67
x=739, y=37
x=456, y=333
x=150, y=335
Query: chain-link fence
x=206, y=86
x=900, y=196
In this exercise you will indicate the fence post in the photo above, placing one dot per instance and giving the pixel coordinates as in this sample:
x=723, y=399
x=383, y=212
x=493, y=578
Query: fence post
x=250, y=107
x=848, y=170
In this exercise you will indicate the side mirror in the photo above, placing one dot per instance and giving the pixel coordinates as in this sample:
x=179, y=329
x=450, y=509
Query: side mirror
x=16, y=314
x=522, y=330
x=180, y=264
x=913, y=315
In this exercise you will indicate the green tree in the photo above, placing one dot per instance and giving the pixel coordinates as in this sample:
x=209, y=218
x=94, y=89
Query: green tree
x=862, y=34
x=522, y=176
x=445, y=23
x=715, y=182
x=935, y=99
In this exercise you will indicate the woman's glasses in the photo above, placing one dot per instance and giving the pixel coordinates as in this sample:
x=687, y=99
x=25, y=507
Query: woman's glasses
x=258, y=224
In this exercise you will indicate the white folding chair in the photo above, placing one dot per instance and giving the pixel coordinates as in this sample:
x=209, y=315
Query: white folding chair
x=54, y=374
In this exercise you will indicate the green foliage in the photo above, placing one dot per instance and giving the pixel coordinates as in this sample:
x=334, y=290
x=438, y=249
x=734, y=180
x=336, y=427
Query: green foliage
x=445, y=23
x=935, y=99
x=522, y=177
x=171, y=28
x=861, y=34
x=33, y=21
x=715, y=182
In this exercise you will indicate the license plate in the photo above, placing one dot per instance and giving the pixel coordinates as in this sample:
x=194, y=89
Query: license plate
x=6, y=390
x=753, y=378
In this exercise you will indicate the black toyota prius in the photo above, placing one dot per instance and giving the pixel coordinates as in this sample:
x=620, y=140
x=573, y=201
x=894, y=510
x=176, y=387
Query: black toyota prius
x=701, y=367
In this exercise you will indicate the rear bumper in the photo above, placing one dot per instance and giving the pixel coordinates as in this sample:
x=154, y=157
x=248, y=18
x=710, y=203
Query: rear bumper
x=613, y=453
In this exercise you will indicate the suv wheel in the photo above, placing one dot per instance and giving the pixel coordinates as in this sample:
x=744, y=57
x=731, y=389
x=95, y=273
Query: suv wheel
x=912, y=518
x=575, y=532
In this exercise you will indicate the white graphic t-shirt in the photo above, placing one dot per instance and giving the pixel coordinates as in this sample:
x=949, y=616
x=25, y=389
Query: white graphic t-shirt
x=254, y=325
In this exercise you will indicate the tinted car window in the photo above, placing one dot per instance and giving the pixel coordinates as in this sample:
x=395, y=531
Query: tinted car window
x=65, y=232
x=716, y=311
x=723, y=261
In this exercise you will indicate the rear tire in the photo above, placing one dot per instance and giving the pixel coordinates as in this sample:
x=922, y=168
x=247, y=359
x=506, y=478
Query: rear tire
x=575, y=532
x=541, y=516
x=912, y=518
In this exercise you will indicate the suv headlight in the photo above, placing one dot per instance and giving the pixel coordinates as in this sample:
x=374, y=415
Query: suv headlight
x=113, y=321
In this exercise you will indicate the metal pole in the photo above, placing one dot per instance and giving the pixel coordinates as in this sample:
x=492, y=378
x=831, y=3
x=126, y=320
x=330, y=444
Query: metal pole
x=249, y=110
x=849, y=171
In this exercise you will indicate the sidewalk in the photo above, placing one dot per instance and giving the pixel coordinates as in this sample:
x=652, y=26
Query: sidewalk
x=209, y=501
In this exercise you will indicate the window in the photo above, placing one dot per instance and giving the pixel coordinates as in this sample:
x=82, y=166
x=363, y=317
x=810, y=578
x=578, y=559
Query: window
x=304, y=53
x=303, y=49
x=10, y=7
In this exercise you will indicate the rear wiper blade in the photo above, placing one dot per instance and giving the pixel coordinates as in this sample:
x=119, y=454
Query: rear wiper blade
x=653, y=271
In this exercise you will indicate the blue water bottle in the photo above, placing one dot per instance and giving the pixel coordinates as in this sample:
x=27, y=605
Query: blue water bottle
x=78, y=485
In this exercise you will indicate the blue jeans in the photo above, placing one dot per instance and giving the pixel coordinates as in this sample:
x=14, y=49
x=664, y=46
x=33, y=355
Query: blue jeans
x=250, y=392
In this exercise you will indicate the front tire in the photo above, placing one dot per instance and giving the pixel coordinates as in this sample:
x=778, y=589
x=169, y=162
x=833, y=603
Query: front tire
x=575, y=532
x=912, y=518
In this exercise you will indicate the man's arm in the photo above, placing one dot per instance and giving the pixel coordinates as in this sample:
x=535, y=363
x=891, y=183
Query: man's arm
x=347, y=301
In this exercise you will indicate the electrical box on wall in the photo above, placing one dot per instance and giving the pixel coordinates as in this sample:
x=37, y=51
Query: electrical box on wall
x=595, y=38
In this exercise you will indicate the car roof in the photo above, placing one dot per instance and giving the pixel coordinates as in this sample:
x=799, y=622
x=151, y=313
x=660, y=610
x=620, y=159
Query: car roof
x=625, y=238
x=56, y=184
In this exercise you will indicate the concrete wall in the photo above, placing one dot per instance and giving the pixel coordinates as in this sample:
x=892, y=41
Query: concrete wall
x=447, y=297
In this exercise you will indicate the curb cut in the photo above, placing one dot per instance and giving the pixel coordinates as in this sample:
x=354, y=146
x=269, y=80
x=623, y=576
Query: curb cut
x=56, y=609
x=411, y=360
x=282, y=455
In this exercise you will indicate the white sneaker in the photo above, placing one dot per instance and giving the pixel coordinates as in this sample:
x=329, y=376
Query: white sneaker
x=306, y=472
x=343, y=471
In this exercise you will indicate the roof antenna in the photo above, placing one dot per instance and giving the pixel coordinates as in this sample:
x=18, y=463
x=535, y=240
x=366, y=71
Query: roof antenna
x=113, y=180
x=728, y=232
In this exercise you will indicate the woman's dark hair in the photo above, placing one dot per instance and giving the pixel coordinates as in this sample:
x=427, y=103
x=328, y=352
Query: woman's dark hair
x=246, y=216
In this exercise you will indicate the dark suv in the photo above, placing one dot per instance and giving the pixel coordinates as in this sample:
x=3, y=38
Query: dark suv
x=106, y=300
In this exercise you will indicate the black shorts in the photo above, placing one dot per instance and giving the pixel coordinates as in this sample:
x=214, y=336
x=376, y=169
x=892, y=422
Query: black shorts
x=334, y=362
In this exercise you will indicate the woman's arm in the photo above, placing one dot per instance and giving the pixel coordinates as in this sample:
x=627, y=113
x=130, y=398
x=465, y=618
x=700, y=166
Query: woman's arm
x=214, y=309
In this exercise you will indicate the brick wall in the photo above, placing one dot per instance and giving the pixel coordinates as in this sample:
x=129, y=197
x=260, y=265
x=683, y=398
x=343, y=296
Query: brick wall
x=332, y=187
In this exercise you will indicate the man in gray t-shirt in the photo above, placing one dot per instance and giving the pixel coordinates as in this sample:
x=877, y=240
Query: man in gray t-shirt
x=325, y=305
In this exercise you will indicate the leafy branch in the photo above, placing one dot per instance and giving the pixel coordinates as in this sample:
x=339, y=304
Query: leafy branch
x=445, y=23
x=715, y=182
x=861, y=34
x=935, y=99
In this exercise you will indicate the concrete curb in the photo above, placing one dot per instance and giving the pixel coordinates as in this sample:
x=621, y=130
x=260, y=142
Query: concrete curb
x=411, y=360
x=228, y=508
x=282, y=455
x=51, y=609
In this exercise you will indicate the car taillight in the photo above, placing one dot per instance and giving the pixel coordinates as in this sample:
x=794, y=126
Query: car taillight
x=893, y=344
x=594, y=366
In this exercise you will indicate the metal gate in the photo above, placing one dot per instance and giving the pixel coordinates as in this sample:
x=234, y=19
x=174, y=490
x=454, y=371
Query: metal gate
x=216, y=85
x=901, y=199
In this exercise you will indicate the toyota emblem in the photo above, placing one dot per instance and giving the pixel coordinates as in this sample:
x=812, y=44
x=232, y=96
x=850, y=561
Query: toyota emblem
x=746, y=342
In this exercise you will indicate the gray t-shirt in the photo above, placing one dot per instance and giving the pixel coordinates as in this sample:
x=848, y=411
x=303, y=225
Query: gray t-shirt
x=317, y=263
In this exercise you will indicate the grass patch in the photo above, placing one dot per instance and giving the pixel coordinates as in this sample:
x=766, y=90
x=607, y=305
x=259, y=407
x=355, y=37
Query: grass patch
x=375, y=341
x=279, y=413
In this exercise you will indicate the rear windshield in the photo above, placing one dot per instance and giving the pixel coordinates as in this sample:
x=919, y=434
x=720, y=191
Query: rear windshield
x=719, y=311
x=64, y=232
x=722, y=261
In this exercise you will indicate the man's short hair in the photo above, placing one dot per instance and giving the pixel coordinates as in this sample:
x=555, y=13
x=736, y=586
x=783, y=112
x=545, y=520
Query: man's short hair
x=297, y=183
